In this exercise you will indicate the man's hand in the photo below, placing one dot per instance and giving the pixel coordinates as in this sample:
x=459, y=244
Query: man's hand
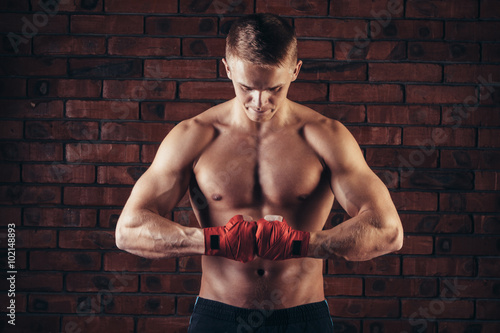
x=235, y=240
x=276, y=240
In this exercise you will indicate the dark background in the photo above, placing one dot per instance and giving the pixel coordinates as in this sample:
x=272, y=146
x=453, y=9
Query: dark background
x=88, y=89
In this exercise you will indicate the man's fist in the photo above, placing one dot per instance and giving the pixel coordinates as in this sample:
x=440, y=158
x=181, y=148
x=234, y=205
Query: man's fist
x=235, y=240
x=278, y=241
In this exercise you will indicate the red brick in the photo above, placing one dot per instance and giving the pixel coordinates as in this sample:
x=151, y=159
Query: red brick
x=108, y=218
x=488, y=95
x=439, y=94
x=403, y=325
x=405, y=159
x=86, y=239
x=36, y=239
x=428, y=138
x=43, y=323
x=469, y=202
x=488, y=138
x=190, y=264
x=53, y=303
x=181, y=26
x=33, y=151
x=69, y=45
x=440, y=51
x=96, y=196
x=57, y=217
x=486, y=224
x=437, y=179
x=489, y=9
x=342, y=286
x=105, y=67
x=116, y=282
x=30, y=66
x=10, y=87
x=172, y=111
x=206, y=90
x=11, y=130
x=438, y=266
x=148, y=153
x=58, y=173
x=490, y=52
x=32, y=109
x=98, y=324
x=185, y=305
x=400, y=287
x=102, y=109
x=436, y=223
x=471, y=73
x=468, y=326
x=419, y=201
x=26, y=26
x=385, y=265
x=15, y=5
x=488, y=267
x=351, y=92
x=139, y=90
x=221, y=7
x=341, y=112
x=362, y=308
x=308, y=92
x=382, y=10
x=406, y=72
x=141, y=305
x=69, y=6
x=35, y=281
x=403, y=114
x=472, y=31
x=184, y=69
x=417, y=245
x=368, y=50
x=61, y=88
x=314, y=49
x=470, y=288
x=285, y=7
x=122, y=261
x=10, y=173
x=330, y=28
x=143, y=46
x=182, y=284
x=119, y=174
x=150, y=6
x=208, y=47
x=440, y=9
x=370, y=135
x=467, y=245
x=472, y=159
x=407, y=29
x=61, y=130
x=332, y=71
x=158, y=324
x=487, y=180
x=135, y=131
x=58, y=260
x=107, y=24
x=465, y=115
x=88, y=152
x=437, y=308
x=21, y=194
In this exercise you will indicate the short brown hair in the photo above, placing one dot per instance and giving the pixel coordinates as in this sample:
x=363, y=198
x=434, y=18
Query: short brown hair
x=263, y=39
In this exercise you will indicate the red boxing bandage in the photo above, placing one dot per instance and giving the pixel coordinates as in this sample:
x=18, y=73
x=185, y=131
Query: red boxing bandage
x=278, y=241
x=235, y=240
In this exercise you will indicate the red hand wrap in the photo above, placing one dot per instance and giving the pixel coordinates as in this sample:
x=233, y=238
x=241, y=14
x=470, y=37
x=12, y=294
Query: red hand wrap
x=278, y=241
x=235, y=240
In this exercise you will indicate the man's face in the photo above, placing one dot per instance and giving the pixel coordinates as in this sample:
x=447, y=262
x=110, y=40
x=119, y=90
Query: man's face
x=260, y=90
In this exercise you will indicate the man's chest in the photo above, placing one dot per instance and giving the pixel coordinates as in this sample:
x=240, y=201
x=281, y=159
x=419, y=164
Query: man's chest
x=245, y=171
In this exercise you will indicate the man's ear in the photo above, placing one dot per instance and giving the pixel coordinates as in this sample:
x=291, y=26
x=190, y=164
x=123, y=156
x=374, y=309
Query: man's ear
x=296, y=70
x=228, y=72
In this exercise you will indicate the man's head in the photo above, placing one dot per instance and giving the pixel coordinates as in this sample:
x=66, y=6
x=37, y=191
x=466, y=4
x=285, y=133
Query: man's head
x=261, y=60
x=262, y=39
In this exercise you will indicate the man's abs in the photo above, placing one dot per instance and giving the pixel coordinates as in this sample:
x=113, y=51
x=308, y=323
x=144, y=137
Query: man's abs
x=262, y=283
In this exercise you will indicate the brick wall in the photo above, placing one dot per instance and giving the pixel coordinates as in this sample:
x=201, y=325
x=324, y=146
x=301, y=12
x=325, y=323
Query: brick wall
x=88, y=89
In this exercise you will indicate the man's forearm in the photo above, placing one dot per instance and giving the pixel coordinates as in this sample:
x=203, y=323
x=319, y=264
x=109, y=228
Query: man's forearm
x=360, y=238
x=149, y=235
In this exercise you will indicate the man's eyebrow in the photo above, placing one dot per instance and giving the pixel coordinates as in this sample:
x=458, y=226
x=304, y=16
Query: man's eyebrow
x=251, y=88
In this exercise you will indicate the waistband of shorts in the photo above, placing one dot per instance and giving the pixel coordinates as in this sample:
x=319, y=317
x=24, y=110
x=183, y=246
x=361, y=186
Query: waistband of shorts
x=266, y=316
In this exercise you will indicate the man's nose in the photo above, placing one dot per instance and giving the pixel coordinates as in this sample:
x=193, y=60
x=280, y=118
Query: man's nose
x=259, y=98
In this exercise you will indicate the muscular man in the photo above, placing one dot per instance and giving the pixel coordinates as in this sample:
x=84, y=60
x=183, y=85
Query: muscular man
x=256, y=155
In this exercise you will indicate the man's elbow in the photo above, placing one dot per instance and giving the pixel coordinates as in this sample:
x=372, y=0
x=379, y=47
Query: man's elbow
x=396, y=239
x=122, y=236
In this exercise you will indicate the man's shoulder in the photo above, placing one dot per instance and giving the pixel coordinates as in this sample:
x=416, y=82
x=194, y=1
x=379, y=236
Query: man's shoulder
x=316, y=123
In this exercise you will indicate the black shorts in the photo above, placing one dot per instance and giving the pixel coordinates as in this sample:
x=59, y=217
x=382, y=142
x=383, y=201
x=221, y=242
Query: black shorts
x=211, y=316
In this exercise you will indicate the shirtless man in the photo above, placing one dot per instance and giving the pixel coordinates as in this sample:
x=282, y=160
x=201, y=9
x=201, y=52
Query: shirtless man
x=256, y=155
